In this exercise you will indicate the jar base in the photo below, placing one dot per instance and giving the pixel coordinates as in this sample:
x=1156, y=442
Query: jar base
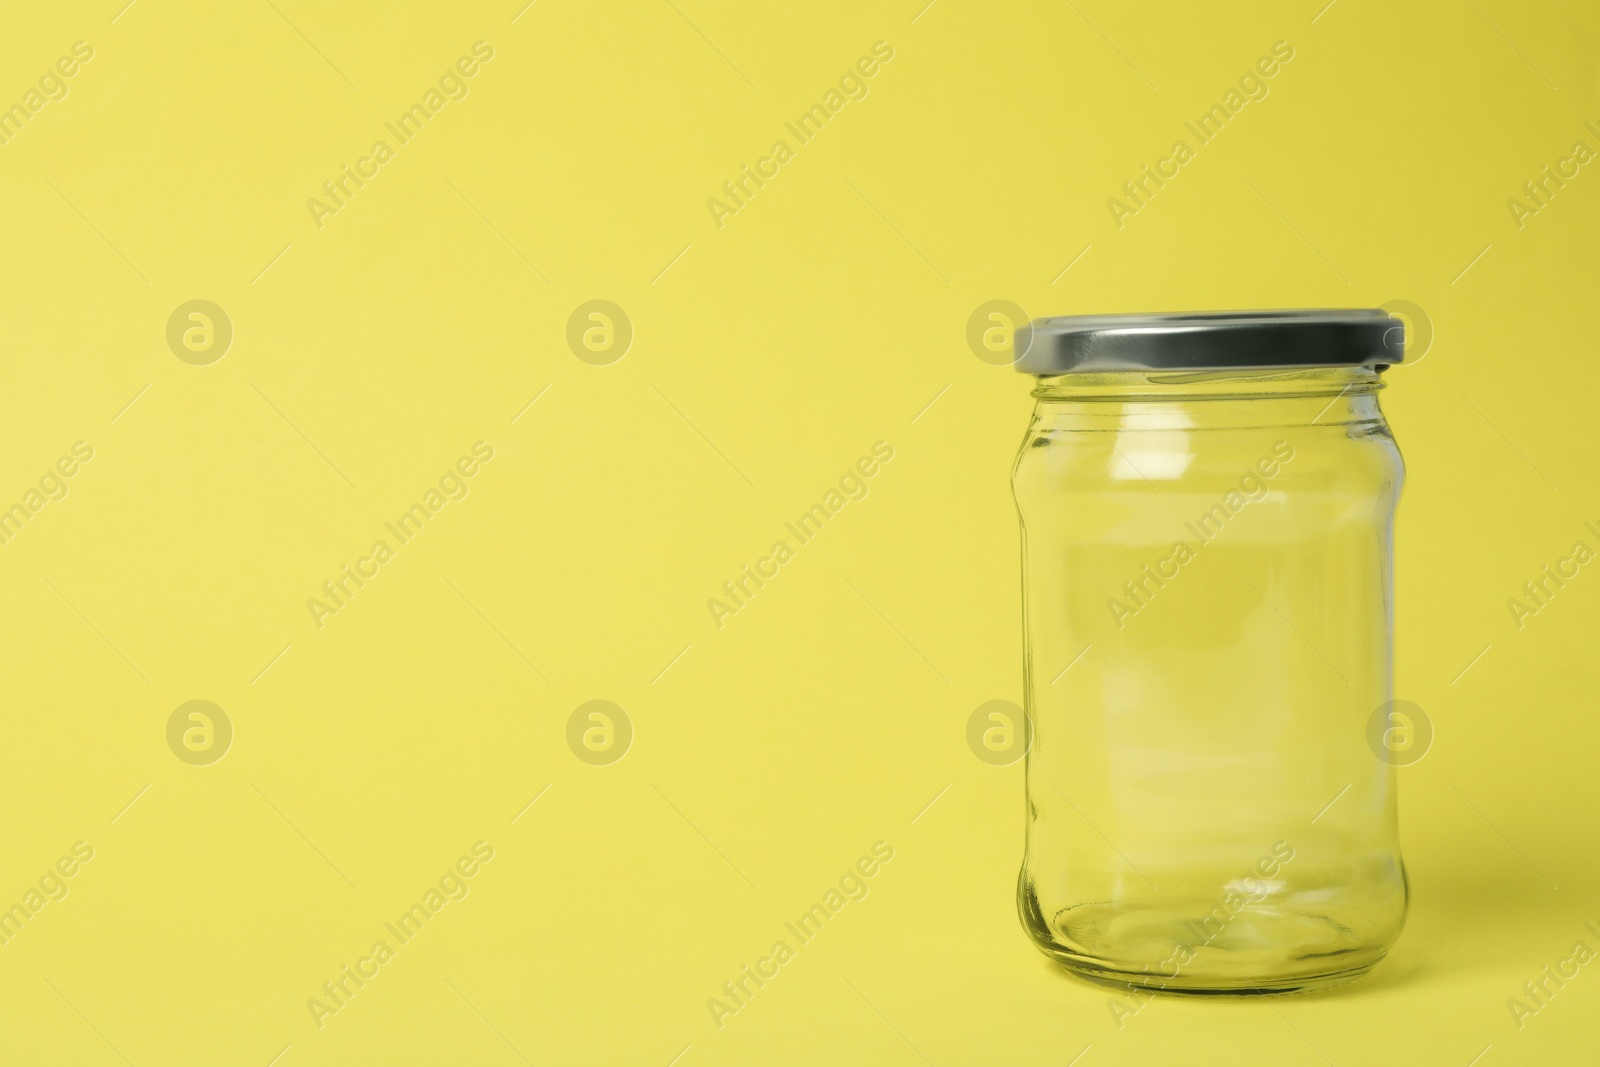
x=1261, y=949
x=1141, y=982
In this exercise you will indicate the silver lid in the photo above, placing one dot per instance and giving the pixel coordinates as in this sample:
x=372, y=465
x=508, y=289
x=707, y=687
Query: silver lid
x=1211, y=340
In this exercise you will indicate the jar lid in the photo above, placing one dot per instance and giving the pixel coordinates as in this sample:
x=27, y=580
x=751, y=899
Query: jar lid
x=1211, y=340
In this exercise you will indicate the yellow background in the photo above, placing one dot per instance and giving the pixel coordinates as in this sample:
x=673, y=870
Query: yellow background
x=768, y=355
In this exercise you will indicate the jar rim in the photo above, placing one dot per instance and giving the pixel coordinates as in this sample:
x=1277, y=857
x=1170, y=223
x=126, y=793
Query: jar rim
x=1180, y=386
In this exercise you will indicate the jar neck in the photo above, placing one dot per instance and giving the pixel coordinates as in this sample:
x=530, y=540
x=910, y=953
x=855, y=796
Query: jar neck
x=1236, y=397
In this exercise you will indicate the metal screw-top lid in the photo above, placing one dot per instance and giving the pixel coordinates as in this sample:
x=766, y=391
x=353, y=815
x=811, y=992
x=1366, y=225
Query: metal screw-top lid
x=1211, y=340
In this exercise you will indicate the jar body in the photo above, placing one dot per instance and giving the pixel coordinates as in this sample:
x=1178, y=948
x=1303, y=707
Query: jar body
x=1208, y=614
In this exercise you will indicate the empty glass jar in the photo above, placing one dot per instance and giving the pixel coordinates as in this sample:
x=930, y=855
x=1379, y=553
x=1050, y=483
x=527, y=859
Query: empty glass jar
x=1207, y=507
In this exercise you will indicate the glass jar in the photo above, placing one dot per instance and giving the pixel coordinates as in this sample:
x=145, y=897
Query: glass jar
x=1207, y=507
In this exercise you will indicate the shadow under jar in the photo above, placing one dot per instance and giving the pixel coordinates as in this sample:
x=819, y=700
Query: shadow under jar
x=1207, y=506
